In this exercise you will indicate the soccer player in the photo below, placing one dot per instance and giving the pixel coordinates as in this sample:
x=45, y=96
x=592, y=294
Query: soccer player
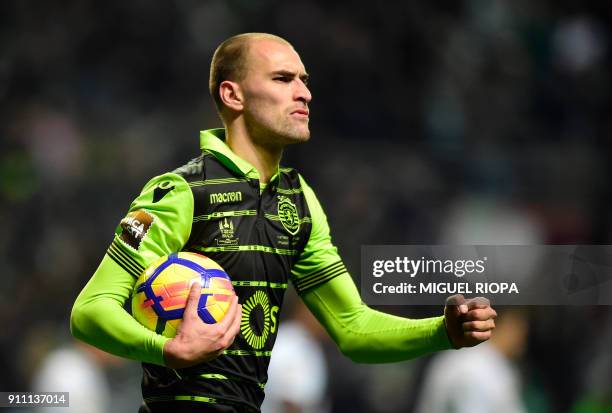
x=264, y=225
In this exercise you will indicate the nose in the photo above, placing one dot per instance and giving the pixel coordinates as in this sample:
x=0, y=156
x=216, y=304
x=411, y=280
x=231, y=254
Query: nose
x=302, y=93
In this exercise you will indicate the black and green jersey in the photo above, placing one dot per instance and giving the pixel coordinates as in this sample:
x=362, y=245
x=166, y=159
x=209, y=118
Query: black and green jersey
x=257, y=235
x=265, y=237
x=216, y=205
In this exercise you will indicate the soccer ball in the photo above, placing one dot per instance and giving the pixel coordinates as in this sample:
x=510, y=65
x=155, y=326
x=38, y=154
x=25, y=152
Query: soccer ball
x=160, y=293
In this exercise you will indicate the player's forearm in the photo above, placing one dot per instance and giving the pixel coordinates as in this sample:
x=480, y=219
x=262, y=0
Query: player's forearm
x=98, y=317
x=369, y=336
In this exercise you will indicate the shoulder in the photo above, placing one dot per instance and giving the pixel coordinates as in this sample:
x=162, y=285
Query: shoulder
x=289, y=173
x=292, y=175
x=192, y=170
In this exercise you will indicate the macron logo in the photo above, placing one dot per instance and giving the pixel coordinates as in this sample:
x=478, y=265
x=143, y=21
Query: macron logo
x=221, y=197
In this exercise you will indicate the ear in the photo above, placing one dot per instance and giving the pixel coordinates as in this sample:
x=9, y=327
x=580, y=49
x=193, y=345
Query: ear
x=231, y=95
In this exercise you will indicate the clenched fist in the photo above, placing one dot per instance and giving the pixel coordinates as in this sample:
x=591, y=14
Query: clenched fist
x=468, y=322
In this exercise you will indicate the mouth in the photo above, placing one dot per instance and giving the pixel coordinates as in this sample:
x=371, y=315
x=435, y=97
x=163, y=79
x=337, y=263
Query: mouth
x=301, y=113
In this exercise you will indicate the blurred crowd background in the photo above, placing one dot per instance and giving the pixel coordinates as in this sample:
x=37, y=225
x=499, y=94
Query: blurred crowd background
x=474, y=121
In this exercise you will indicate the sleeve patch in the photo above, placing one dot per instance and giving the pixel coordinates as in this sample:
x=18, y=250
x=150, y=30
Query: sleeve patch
x=134, y=227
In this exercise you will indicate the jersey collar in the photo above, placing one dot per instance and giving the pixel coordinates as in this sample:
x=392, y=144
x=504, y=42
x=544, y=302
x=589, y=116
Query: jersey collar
x=213, y=141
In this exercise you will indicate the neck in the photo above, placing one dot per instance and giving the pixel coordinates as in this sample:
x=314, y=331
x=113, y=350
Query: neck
x=264, y=158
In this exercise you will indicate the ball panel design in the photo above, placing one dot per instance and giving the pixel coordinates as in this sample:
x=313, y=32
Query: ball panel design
x=161, y=292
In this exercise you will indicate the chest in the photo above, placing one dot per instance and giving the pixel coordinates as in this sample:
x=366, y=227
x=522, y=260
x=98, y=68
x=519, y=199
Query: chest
x=254, y=234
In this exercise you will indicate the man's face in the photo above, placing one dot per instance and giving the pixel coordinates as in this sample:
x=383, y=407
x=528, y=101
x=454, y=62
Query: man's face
x=275, y=94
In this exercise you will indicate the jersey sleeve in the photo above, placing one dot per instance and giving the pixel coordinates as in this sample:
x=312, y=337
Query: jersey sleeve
x=158, y=223
x=320, y=261
x=369, y=336
x=363, y=334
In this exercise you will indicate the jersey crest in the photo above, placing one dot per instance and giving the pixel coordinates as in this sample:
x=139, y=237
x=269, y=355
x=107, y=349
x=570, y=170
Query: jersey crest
x=288, y=215
x=226, y=228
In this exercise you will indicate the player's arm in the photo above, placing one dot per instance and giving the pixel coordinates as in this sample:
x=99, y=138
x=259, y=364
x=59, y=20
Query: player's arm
x=158, y=223
x=98, y=317
x=369, y=336
x=363, y=334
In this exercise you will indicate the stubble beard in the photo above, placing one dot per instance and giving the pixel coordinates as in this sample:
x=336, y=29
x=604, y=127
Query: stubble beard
x=294, y=132
x=279, y=134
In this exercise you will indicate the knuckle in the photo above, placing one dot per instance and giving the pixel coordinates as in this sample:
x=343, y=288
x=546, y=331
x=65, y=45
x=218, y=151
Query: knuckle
x=188, y=316
x=483, y=300
x=474, y=326
x=228, y=341
x=475, y=335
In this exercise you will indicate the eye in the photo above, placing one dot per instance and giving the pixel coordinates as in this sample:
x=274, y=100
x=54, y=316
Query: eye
x=284, y=79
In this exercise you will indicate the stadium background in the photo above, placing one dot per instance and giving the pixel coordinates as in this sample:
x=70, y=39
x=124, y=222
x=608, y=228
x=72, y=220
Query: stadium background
x=426, y=115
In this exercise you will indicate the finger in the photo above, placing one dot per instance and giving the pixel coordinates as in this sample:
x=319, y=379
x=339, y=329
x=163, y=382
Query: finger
x=457, y=301
x=235, y=329
x=479, y=336
x=228, y=318
x=478, y=302
x=480, y=314
x=478, y=325
x=191, y=306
